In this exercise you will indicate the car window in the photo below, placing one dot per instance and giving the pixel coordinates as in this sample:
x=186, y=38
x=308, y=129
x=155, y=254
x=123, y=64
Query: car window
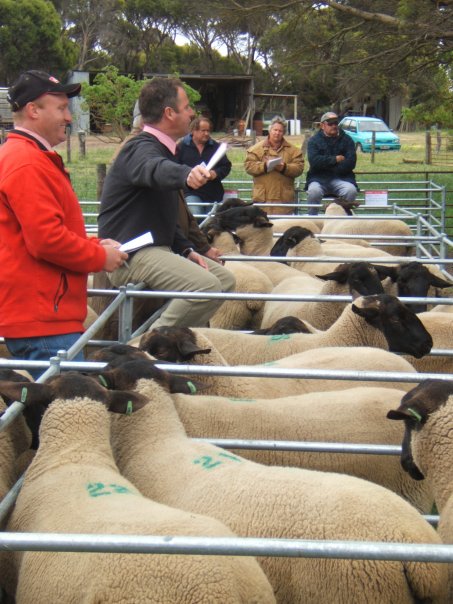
x=345, y=124
x=353, y=126
x=373, y=126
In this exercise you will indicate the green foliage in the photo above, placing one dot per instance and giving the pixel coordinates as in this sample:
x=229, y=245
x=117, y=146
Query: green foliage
x=432, y=102
x=30, y=38
x=326, y=52
x=193, y=95
x=81, y=23
x=356, y=49
x=111, y=100
x=425, y=114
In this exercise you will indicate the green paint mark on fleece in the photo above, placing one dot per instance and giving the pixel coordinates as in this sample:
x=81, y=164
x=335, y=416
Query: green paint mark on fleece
x=278, y=337
x=242, y=400
x=209, y=462
x=96, y=489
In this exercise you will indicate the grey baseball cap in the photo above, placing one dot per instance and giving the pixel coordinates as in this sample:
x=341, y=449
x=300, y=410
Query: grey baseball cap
x=329, y=115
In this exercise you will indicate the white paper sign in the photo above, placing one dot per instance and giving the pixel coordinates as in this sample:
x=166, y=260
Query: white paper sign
x=137, y=242
x=376, y=198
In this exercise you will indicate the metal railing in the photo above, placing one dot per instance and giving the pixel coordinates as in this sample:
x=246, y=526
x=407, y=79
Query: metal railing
x=414, y=196
x=221, y=546
x=426, y=234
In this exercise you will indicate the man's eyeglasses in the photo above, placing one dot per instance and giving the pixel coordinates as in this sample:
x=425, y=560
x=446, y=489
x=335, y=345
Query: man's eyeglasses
x=331, y=122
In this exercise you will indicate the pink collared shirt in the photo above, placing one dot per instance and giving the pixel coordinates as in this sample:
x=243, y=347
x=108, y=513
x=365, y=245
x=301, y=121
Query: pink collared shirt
x=34, y=135
x=163, y=138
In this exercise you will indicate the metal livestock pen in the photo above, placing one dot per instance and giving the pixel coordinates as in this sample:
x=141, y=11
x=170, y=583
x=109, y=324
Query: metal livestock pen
x=422, y=205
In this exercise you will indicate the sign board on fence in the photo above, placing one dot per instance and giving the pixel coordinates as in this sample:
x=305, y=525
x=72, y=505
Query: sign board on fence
x=376, y=198
x=230, y=194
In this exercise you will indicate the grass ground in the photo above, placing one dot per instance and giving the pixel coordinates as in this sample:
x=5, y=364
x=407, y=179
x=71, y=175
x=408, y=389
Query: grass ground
x=409, y=160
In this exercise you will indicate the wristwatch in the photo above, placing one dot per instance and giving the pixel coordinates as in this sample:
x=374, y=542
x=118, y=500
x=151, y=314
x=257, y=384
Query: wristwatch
x=187, y=252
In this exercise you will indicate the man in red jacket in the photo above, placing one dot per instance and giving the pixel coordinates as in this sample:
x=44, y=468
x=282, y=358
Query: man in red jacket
x=45, y=255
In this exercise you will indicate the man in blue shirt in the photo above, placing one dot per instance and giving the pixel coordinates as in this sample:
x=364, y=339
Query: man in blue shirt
x=198, y=147
x=332, y=157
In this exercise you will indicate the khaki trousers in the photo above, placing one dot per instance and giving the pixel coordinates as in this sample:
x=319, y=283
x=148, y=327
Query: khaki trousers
x=162, y=270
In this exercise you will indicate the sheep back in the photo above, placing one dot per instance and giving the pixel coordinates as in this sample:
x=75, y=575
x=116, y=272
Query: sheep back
x=355, y=415
x=283, y=503
x=73, y=485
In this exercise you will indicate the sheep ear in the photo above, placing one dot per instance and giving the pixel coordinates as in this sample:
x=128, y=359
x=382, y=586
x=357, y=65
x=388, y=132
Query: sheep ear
x=188, y=349
x=121, y=401
x=369, y=314
x=438, y=282
x=27, y=393
x=340, y=276
x=386, y=271
x=407, y=413
x=396, y=414
x=182, y=385
x=262, y=223
x=107, y=379
x=369, y=311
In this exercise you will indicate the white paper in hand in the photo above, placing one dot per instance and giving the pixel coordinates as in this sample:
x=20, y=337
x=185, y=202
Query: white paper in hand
x=217, y=156
x=137, y=242
x=273, y=163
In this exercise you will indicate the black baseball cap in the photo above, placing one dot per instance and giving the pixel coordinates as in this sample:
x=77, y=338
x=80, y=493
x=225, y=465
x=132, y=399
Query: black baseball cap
x=32, y=84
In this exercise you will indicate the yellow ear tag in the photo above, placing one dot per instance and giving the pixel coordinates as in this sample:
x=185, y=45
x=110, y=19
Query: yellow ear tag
x=24, y=394
x=129, y=408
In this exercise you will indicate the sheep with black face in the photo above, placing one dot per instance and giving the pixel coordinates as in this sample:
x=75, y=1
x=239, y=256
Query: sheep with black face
x=154, y=452
x=428, y=447
x=74, y=486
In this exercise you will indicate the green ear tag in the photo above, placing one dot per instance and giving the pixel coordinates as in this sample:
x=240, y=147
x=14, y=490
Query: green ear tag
x=129, y=408
x=415, y=414
x=23, y=394
x=192, y=387
x=103, y=381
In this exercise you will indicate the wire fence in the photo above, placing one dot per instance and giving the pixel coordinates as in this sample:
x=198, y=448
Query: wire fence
x=439, y=147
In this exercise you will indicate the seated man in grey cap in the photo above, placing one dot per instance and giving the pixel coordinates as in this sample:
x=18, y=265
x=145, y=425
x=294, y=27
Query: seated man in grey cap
x=332, y=158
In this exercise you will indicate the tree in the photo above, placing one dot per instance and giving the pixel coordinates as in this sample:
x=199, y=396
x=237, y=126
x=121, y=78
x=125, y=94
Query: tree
x=239, y=32
x=31, y=38
x=111, y=100
x=426, y=24
x=427, y=110
x=138, y=32
x=338, y=49
x=82, y=24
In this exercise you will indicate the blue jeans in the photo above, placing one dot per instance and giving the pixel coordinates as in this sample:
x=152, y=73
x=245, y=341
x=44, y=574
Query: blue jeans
x=41, y=348
x=336, y=187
